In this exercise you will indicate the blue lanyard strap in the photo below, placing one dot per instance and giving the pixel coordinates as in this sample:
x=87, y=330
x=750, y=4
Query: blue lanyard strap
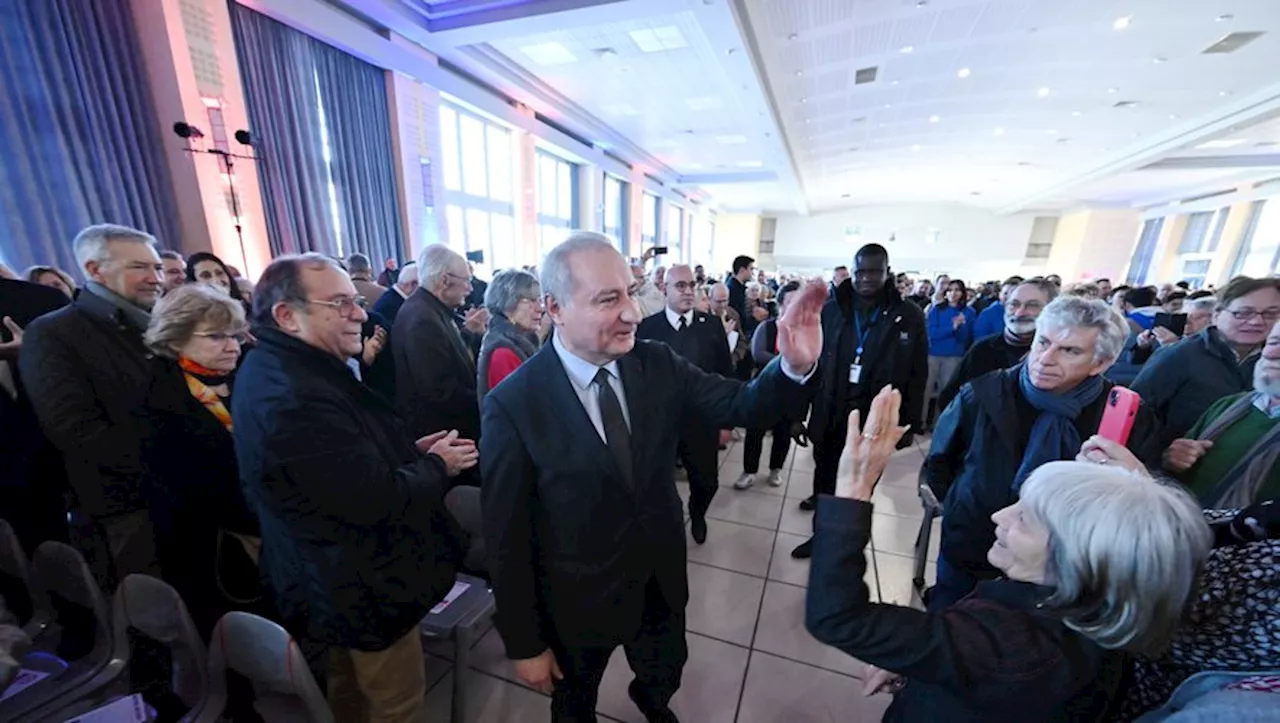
x=857, y=328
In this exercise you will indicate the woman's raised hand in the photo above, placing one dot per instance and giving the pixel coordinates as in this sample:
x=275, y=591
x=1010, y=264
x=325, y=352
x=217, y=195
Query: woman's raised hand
x=871, y=445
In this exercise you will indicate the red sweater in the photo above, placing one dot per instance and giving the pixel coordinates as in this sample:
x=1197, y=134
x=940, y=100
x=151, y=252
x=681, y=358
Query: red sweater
x=503, y=362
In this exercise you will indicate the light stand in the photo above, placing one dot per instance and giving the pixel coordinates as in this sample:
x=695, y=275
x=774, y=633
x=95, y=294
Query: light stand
x=184, y=130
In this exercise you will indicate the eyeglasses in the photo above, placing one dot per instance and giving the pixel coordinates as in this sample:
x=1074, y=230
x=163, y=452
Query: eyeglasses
x=466, y=280
x=685, y=285
x=222, y=337
x=1268, y=315
x=1029, y=306
x=346, y=306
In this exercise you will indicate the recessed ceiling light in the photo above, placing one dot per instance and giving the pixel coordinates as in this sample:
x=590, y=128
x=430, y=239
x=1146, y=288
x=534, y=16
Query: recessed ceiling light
x=997, y=132
x=1113, y=90
x=894, y=82
x=1224, y=17
x=799, y=73
x=915, y=148
x=906, y=49
x=1159, y=59
x=888, y=105
x=655, y=40
x=963, y=73
x=934, y=119
x=881, y=125
x=808, y=120
x=1224, y=93
x=1122, y=22
x=1043, y=92
x=1052, y=132
x=1076, y=113
x=1173, y=116
x=804, y=100
x=792, y=36
x=549, y=54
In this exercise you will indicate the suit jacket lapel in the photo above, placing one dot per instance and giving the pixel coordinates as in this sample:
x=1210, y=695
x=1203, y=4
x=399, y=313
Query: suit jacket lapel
x=553, y=378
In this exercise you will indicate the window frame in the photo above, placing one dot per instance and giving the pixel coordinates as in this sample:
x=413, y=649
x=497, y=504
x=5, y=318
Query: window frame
x=496, y=199
x=553, y=223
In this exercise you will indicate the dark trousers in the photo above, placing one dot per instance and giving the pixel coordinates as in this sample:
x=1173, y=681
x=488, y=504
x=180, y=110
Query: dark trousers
x=657, y=656
x=826, y=454
x=697, y=452
x=755, y=445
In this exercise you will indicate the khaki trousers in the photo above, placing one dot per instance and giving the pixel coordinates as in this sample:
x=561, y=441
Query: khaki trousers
x=387, y=686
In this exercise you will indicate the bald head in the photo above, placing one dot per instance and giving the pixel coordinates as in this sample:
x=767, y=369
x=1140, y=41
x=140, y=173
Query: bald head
x=719, y=298
x=680, y=288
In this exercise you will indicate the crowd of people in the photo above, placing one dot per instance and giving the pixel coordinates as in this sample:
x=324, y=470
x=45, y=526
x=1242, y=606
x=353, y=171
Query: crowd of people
x=329, y=450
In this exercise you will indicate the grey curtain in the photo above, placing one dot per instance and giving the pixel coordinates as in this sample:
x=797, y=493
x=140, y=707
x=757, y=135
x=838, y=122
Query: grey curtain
x=278, y=71
x=359, y=124
x=79, y=140
x=298, y=88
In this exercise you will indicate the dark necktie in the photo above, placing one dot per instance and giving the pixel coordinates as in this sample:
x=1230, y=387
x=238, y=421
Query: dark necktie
x=616, y=434
x=683, y=325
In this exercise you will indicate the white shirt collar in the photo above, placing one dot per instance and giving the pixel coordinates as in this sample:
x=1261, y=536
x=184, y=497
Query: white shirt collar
x=401, y=293
x=674, y=319
x=581, y=372
x=1263, y=404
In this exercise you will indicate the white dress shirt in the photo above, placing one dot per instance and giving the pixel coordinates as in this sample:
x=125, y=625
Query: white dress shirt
x=674, y=318
x=582, y=375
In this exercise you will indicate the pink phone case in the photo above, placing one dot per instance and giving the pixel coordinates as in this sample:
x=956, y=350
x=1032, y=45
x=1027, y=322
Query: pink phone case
x=1117, y=419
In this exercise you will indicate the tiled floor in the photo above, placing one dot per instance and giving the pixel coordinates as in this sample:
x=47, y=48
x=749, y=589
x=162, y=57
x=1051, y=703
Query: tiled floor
x=750, y=658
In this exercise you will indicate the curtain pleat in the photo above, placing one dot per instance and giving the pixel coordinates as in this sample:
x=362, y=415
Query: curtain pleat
x=79, y=140
x=287, y=77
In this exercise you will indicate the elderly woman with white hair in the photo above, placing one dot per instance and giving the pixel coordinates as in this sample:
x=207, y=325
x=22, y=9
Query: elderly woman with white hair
x=1005, y=424
x=1086, y=580
x=515, y=315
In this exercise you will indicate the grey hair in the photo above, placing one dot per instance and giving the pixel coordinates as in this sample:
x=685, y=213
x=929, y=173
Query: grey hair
x=1204, y=303
x=358, y=263
x=1048, y=288
x=91, y=242
x=507, y=289
x=178, y=313
x=1074, y=312
x=412, y=268
x=281, y=282
x=1120, y=579
x=434, y=262
x=557, y=278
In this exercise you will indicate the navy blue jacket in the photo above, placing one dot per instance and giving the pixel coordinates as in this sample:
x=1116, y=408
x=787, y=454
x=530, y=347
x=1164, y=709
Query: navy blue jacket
x=896, y=352
x=356, y=543
x=388, y=305
x=990, y=658
x=1181, y=381
x=977, y=449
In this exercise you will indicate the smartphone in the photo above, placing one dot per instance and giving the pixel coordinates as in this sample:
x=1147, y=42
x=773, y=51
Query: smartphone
x=660, y=250
x=1117, y=418
x=1177, y=323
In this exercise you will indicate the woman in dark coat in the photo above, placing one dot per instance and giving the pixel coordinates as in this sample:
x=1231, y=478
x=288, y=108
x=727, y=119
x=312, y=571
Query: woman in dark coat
x=514, y=302
x=1087, y=581
x=206, y=538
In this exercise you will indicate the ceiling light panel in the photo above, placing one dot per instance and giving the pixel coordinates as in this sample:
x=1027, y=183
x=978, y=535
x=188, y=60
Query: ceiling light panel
x=656, y=40
x=549, y=54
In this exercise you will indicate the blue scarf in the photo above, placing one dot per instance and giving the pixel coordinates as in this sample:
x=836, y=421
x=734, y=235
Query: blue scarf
x=1053, y=436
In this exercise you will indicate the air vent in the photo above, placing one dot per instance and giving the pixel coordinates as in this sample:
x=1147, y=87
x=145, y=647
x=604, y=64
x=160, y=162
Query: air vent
x=865, y=75
x=1233, y=42
x=1126, y=104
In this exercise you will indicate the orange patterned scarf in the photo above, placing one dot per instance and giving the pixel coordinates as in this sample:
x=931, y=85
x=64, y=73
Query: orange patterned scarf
x=203, y=392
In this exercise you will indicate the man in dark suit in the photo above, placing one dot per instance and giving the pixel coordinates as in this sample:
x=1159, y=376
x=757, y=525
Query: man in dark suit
x=581, y=516
x=85, y=370
x=388, y=305
x=435, y=371
x=701, y=339
x=32, y=479
x=743, y=267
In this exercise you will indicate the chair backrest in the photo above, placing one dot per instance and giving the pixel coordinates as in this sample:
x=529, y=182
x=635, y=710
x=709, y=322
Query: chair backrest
x=154, y=609
x=63, y=576
x=15, y=576
x=263, y=652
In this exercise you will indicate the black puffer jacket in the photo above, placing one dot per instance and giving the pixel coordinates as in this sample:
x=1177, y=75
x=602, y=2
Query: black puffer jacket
x=356, y=543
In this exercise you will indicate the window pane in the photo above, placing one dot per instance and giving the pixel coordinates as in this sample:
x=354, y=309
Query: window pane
x=457, y=228
x=564, y=194
x=478, y=231
x=449, y=147
x=546, y=186
x=499, y=163
x=649, y=209
x=612, y=203
x=473, y=156
x=504, y=243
